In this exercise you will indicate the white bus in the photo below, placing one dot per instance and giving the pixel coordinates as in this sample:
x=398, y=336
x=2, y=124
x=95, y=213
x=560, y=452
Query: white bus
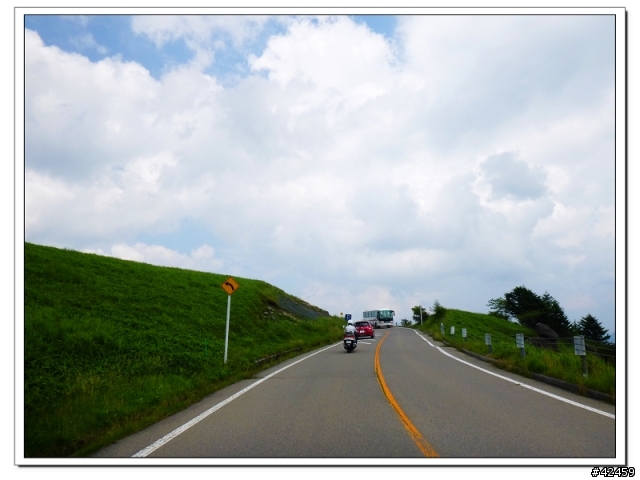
x=379, y=318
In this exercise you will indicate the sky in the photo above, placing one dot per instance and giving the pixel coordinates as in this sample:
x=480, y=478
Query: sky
x=356, y=162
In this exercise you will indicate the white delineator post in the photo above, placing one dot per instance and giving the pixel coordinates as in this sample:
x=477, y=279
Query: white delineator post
x=581, y=349
x=520, y=343
x=487, y=341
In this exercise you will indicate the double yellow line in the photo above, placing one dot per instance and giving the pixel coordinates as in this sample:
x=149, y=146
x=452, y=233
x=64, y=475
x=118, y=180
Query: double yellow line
x=424, y=446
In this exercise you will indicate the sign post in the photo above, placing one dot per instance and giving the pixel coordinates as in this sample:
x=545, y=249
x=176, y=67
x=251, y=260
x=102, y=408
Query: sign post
x=229, y=286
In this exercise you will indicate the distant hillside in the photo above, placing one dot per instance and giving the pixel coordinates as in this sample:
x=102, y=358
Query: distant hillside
x=112, y=346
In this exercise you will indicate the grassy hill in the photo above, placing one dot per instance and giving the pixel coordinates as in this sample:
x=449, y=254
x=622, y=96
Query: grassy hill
x=562, y=364
x=112, y=346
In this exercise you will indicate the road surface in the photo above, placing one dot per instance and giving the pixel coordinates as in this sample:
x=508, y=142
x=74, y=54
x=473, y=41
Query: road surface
x=330, y=404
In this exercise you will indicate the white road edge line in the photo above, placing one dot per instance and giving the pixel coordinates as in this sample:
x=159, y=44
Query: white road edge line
x=562, y=399
x=169, y=436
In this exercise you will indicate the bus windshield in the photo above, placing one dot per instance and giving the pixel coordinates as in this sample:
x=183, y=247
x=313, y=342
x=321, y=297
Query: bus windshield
x=386, y=313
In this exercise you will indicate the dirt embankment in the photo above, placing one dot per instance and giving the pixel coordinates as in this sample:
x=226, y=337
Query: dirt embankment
x=300, y=308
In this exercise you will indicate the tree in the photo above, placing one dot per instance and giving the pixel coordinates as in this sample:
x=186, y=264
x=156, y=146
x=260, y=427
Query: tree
x=532, y=317
x=521, y=300
x=406, y=323
x=575, y=328
x=530, y=308
x=591, y=328
x=438, y=310
x=555, y=317
x=498, y=308
x=416, y=314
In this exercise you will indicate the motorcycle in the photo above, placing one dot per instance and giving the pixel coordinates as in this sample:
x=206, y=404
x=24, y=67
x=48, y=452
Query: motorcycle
x=349, y=342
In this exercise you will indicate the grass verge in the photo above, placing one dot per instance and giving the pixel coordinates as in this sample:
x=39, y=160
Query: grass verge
x=112, y=346
x=562, y=364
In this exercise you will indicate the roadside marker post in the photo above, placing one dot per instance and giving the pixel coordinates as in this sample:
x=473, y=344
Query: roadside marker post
x=464, y=334
x=229, y=286
x=581, y=349
x=520, y=343
x=453, y=330
x=487, y=341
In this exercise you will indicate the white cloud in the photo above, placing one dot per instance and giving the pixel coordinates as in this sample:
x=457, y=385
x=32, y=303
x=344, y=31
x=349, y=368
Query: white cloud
x=87, y=42
x=348, y=168
x=201, y=34
x=573, y=260
x=567, y=226
x=80, y=115
x=315, y=53
x=144, y=173
x=201, y=258
x=166, y=28
x=509, y=177
x=43, y=195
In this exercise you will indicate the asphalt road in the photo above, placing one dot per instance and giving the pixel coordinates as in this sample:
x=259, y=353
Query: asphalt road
x=330, y=404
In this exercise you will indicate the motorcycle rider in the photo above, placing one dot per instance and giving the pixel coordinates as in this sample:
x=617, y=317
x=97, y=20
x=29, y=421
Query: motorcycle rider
x=351, y=329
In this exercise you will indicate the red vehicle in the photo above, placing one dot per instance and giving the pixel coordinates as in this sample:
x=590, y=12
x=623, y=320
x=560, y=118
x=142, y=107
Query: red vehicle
x=364, y=328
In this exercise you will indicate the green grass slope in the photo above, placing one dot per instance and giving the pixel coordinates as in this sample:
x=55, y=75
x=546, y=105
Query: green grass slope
x=112, y=346
x=563, y=364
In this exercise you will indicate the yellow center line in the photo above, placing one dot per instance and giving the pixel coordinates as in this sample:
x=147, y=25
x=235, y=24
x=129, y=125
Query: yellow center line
x=424, y=446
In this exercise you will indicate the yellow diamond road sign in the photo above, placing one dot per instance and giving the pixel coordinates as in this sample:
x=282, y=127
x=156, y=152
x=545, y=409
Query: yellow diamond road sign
x=230, y=285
